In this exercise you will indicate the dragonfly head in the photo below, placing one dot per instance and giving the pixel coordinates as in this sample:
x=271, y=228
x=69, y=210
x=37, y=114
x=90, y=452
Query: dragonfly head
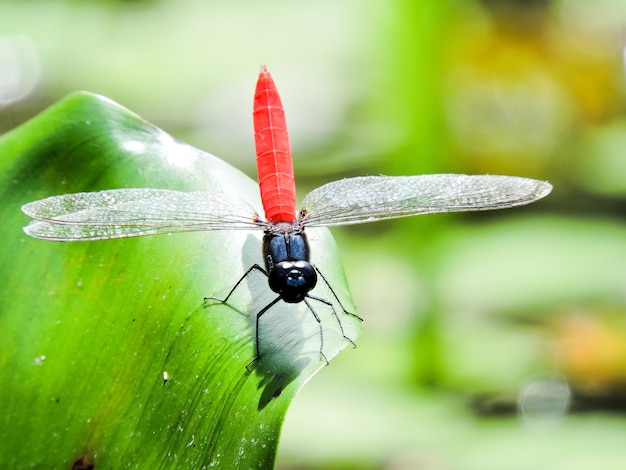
x=292, y=280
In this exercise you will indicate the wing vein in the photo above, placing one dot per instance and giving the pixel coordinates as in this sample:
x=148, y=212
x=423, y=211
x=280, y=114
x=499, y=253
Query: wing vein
x=371, y=198
x=120, y=213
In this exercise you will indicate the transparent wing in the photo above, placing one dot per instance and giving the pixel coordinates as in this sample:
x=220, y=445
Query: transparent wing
x=120, y=213
x=371, y=198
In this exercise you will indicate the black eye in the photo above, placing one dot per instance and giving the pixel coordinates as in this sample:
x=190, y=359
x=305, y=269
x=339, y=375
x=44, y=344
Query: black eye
x=292, y=280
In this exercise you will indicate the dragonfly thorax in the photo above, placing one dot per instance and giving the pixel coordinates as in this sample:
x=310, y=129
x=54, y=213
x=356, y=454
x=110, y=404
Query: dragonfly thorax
x=287, y=262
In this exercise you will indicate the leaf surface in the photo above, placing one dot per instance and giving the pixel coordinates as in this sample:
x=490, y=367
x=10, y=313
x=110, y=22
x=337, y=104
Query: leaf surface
x=108, y=353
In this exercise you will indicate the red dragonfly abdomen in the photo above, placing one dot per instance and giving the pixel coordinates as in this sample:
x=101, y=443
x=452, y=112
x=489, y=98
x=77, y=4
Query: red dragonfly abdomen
x=273, y=155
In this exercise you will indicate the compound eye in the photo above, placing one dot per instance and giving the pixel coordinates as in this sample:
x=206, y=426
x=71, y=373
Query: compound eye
x=292, y=280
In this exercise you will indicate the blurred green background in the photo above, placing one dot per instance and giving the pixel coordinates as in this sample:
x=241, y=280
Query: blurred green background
x=491, y=341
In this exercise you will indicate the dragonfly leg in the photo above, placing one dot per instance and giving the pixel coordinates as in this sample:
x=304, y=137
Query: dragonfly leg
x=336, y=297
x=257, y=354
x=332, y=307
x=319, y=322
x=252, y=268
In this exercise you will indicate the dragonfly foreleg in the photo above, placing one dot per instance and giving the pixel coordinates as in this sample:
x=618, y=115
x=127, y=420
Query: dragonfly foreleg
x=336, y=298
x=250, y=269
x=332, y=308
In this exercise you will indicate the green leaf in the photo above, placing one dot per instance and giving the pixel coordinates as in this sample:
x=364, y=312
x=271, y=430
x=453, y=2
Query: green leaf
x=108, y=353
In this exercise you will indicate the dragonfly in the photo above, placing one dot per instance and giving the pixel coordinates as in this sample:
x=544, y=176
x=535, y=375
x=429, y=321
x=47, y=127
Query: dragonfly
x=120, y=213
